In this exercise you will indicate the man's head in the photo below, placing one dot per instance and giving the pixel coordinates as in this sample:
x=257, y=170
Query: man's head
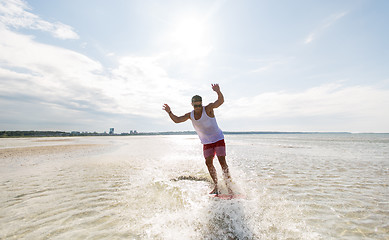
x=197, y=101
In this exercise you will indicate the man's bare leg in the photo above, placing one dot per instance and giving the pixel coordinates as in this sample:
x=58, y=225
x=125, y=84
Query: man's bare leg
x=226, y=173
x=212, y=172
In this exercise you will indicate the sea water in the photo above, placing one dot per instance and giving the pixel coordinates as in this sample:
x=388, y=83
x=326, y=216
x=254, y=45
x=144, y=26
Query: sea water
x=296, y=186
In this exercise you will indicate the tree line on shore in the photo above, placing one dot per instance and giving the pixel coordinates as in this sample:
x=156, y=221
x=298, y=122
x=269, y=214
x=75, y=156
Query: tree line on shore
x=10, y=134
x=5, y=134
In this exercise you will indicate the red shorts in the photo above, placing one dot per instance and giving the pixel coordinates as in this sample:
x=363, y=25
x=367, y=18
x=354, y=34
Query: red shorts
x=218, y=148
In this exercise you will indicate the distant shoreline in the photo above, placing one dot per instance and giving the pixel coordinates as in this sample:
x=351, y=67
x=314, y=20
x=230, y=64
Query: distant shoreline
x=27, y=134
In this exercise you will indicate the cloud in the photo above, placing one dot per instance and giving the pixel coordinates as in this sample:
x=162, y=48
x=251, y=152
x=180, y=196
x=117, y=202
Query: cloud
x=361, y=106
x=271, y=63
x=326, y=24
x=15, y=13
x=55, y=67
x=310, y=38
x=143, y=85
x=48, y=84
x=52, y=78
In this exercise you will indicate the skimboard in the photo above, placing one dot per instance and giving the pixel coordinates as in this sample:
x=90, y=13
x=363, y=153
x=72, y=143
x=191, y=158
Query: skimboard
x=229, y=196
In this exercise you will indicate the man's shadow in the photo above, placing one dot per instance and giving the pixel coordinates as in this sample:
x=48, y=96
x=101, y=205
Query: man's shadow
x=227, y=220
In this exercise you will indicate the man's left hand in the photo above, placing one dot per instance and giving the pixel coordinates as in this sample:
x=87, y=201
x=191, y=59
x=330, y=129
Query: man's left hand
x=215, y=87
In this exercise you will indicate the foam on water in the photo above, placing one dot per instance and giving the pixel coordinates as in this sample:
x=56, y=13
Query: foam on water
x=296, y=187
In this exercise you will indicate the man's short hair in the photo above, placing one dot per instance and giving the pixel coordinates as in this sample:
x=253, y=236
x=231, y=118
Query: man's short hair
x=196, y=98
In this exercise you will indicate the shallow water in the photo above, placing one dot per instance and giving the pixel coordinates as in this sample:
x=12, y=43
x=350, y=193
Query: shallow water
x=156, y=187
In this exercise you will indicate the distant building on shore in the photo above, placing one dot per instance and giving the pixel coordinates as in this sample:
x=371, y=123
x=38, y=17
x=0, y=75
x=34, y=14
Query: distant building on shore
x=111, y=131
x=133, y=132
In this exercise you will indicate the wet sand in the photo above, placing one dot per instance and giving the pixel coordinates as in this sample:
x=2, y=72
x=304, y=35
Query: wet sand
x=21, y=152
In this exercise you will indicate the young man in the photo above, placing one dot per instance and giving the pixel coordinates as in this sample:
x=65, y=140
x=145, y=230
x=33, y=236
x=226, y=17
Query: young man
x=212, y=138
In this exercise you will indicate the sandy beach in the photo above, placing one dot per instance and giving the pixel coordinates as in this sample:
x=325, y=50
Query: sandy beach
x=21, y=152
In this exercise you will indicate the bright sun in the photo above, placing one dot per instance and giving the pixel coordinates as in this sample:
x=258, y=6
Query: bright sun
x=190, y=37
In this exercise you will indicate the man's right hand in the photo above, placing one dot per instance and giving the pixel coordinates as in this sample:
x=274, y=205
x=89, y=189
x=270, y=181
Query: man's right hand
x=166, y=108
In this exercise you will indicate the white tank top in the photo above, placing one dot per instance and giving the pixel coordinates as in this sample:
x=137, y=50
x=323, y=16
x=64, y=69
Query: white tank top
x=206, y=128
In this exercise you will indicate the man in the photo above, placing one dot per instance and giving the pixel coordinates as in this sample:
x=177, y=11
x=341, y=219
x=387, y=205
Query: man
x=212, y=138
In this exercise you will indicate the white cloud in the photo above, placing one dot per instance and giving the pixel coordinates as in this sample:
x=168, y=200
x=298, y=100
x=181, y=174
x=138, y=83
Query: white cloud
x=362, y=106
x=143, y=85
x=54, y=81
x=43, y=60
x=271, y=63
x=63, y=31
x=310, y=38
x=326, y=24
x=48, y=74
x=15, y=13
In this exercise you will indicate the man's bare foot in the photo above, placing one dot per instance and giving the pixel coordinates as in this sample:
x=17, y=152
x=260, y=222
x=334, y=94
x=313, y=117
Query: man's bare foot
x=214, y=191
x=230, y=192
x=228, y=185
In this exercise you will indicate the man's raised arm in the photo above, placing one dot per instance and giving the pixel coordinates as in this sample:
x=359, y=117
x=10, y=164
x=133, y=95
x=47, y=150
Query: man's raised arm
x=174, y=117
x=220, y=97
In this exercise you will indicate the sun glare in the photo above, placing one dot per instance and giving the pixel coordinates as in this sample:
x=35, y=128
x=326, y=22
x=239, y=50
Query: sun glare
x=189, y=37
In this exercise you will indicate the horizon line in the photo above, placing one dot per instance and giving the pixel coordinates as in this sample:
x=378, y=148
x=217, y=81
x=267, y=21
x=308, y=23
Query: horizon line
x=186, y=132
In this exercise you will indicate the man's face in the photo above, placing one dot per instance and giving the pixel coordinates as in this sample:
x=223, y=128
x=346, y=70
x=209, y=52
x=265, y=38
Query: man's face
x=197, y=105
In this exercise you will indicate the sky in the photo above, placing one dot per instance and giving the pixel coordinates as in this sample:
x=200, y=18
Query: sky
x=281, y=65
